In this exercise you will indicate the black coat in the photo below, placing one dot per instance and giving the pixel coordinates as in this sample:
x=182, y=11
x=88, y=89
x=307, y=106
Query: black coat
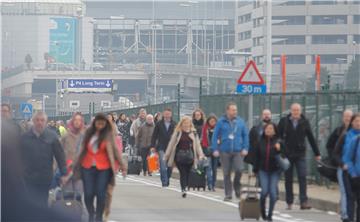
x=294, y=138
x=333, y=140
x=254, y=138
x=260, y=155
x=336, y=156
x=38, y=154
x=161, y=137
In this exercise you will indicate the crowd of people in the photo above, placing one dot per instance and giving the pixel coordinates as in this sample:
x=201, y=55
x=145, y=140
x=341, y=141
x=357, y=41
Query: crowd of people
x=88, y=156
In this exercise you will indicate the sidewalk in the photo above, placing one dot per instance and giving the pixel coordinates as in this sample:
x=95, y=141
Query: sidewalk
x=320, y=197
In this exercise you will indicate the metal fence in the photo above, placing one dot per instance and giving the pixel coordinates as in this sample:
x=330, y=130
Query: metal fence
x=149, y=108
x=323, y=109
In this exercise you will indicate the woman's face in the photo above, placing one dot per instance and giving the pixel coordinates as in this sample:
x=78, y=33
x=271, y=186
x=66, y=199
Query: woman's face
x=100, y=125
x=197, y=115
x=212, y=122
x=77, y=122
x=356, y=123
x=123, y=117
x=186, y=125
x=270, y=131
x=110, y=118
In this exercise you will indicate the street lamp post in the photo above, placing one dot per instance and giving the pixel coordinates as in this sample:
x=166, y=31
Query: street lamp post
x=269, y=45
x=44, y=97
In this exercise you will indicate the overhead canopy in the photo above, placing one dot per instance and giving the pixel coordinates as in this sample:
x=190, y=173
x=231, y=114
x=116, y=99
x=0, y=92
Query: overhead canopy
x=43, y=1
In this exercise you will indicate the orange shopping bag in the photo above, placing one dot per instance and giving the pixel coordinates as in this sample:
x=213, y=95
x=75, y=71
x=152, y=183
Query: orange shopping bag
x=153, y=161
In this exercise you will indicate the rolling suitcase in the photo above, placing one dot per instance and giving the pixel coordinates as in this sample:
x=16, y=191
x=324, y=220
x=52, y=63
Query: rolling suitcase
x=134, y=163
x=249, y=205
x=197, y=180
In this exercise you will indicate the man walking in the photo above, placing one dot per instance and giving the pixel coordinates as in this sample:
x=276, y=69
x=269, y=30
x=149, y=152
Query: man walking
x=160, y=140
x=292, y=130
x=232, y=134
x=39, y=146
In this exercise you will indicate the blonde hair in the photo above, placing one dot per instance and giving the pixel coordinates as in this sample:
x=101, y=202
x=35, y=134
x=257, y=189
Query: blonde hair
x=181, y=122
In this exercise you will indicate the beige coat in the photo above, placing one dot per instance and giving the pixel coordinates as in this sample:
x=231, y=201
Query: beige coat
x=69, y=142
x=171, y=149
x=113, y=154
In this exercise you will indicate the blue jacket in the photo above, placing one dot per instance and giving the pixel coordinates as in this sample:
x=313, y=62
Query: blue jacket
x=348, y=157
x=224, y=130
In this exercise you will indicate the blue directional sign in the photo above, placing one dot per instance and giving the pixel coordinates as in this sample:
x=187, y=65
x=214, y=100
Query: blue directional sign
x=90, y=83
x=251, y=89
x=26, y=110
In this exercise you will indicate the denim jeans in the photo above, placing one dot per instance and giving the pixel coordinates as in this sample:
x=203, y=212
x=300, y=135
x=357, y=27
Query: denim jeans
x=343, y=202
x=211, y=172
x=165, y=171
x=269, y=187
x=230, y=162
x=95, y=184
x=350, y=206
x=300, y=165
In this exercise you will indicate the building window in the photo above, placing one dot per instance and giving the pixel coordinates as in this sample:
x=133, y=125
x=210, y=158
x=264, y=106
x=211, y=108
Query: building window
x=244, y=35
x=258, y=22
x=329, y=19
x=258, y=41
x=288, y=20
x=288, y=40
x=357, y=39
x=244, y=18
x=331, y=59
x=356, y=19
x=329, y=39
x=290, y=59
x=333, y=2
x=257, y=4
x=245, y=50
x=259, y=60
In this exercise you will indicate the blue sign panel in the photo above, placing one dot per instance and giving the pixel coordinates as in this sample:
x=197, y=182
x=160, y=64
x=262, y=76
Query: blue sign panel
x=63, y=39
x=26, y=110
x=90, y=83
x=251, y=89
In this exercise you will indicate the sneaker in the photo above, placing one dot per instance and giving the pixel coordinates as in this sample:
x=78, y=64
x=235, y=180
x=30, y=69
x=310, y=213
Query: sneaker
x=227, y=199
x=305, y=206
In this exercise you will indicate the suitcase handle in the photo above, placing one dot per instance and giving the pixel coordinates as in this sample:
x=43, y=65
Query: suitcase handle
x=256, y=181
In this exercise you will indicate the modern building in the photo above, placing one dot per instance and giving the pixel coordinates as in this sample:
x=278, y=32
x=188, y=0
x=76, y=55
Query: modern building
x=300, y=30
x=182, y=32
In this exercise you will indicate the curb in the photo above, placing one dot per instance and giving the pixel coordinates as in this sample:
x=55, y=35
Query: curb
x=318, y=204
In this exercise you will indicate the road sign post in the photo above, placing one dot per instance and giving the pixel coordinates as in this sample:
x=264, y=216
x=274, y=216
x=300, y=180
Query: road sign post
x=250, y=83
x=26, y=110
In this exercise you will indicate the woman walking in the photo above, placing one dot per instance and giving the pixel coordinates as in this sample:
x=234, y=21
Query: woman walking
x=266, y=166
x=184, y=150
x=97, y=163
x=123, y=126
x=198, y=119
x=207, y=133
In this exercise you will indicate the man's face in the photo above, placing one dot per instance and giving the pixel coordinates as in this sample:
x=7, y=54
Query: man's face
x=39, y=123
x=142, y=115
x=296, y=111
x=266, y=116
x=231, y=111
x=347, y=117
x=149, y=119
x=5, y=112
x=167, y=115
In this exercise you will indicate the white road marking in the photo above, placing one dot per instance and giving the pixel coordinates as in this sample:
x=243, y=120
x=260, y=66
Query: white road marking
x=150, y=183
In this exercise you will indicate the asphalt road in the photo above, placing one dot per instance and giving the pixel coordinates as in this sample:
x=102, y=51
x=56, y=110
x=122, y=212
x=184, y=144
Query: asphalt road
x=139, y=198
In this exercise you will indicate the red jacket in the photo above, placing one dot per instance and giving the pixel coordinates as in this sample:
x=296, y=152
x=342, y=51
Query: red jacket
x=101, y=157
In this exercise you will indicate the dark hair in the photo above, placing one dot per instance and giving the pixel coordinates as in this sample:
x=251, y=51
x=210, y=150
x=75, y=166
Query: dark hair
x=210, y=117
x=201, y=112
x=270, y=124
x=112, y=117
x=356, y=115
x=168, y=109
x=230, y=104
x=92, y=129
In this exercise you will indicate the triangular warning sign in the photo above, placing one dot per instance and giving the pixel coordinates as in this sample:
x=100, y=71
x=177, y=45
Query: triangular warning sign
x=26, y=109
x=251, y=75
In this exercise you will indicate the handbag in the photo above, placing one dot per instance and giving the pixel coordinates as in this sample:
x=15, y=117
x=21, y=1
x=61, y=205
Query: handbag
x=327, y=170
x=184, y=156
x=282, y=162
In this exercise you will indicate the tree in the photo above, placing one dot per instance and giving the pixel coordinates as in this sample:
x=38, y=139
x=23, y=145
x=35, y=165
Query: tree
x=352, y=76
